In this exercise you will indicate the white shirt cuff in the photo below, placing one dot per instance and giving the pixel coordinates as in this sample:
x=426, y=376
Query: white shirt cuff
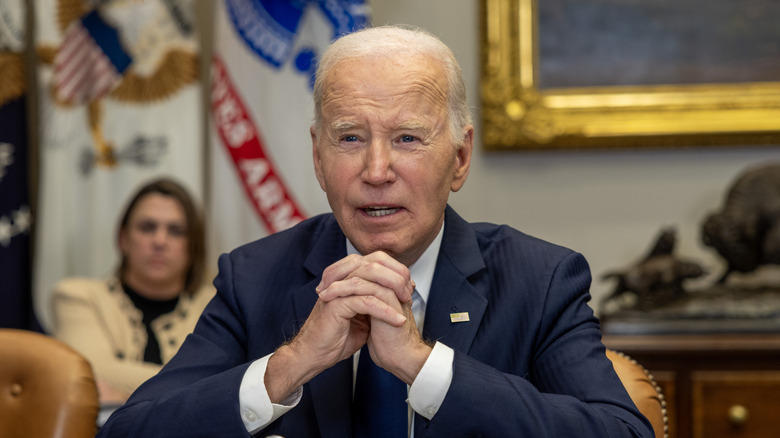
x=432, y=383
x=257, y=411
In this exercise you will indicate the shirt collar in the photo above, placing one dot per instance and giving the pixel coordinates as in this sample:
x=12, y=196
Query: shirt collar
x=422, y=270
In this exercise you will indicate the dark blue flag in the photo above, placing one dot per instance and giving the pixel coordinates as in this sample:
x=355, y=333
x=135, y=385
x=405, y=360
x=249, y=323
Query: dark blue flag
x=16, y=308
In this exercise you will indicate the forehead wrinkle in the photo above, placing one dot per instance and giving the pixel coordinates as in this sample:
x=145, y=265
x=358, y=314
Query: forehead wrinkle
x=426, y=79
x=430, y=88
x=426, y=90
x=416, y=85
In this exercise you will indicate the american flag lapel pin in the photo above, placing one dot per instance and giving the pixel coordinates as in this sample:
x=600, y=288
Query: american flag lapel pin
x=459, y=317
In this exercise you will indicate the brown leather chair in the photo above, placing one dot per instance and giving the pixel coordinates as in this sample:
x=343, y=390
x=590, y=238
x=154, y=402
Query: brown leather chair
x=643, y=391
x=47, y=389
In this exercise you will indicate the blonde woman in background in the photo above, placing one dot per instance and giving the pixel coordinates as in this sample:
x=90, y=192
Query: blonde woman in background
x=129, y=325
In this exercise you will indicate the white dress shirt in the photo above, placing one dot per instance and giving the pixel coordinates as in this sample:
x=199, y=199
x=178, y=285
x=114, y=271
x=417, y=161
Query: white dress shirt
x=426, y=393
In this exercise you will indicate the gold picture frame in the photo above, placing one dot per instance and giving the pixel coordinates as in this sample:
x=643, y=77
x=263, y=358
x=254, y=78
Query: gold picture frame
x=518, y=115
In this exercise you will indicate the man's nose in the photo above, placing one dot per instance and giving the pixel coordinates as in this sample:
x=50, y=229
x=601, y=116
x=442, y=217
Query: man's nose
x=378, y=167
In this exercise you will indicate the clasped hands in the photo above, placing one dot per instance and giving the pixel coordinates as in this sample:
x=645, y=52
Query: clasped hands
x=362, y=300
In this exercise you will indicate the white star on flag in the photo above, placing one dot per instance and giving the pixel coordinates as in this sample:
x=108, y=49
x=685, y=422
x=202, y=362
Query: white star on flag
x=6, y=231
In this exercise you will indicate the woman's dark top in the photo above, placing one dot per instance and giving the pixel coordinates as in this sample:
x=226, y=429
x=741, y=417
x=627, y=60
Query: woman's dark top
x=150, y=309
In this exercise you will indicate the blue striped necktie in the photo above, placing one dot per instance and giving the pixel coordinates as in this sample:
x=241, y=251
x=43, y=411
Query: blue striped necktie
x=379, y=406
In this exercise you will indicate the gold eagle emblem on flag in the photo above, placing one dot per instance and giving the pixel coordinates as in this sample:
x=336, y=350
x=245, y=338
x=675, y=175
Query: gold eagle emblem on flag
x=12, y=85
x=133, y=51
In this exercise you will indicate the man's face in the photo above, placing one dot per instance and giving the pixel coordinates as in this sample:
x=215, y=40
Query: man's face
x=155, y=244
x=384, y=154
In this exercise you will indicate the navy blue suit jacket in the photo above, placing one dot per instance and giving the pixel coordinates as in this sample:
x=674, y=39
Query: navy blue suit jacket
x=529, y=363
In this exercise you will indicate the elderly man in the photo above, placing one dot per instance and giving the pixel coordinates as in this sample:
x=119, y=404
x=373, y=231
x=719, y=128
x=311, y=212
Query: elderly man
x=489, y=328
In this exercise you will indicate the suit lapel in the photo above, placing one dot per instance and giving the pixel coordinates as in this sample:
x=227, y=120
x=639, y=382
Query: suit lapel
x=453, y=295
x=451, y=290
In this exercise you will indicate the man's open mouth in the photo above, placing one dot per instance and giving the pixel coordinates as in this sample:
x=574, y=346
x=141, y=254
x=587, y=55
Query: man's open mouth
x=380, y=211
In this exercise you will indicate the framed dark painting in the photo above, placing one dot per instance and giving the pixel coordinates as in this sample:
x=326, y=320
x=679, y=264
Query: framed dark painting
x=567, y=74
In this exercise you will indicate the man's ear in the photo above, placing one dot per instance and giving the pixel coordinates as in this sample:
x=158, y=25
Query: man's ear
x=315, y=152
x=463, y=159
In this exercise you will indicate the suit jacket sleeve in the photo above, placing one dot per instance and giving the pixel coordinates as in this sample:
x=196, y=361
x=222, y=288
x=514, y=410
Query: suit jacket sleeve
x=554, y=381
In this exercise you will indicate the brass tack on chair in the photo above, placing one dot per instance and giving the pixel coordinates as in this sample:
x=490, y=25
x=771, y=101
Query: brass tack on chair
x=16, y=390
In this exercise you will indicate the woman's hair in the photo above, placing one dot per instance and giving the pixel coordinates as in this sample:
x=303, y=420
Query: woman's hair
x=196, y=240
x=397, y=40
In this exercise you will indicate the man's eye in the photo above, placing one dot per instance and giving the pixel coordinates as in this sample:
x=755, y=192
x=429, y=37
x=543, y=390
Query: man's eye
x=407, y=138
x=350, y=138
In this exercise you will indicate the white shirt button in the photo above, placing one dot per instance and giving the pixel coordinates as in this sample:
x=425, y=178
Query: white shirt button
x=249, y=415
